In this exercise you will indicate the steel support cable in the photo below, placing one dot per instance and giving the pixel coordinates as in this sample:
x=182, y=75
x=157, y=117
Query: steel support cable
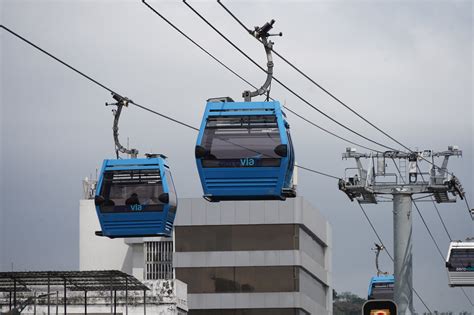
x=314, y=82
x=281, y=83
x=246, y=81
x=91, y=79
x=326, y=91
x=437, y=247
x=136, y=104
x=428, y=229
x=434, y=204
x=387, y=251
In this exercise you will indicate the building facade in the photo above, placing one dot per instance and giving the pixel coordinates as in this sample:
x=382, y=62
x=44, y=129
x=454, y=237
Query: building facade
x=237, y=258
x=253, y=257
x=147, y=259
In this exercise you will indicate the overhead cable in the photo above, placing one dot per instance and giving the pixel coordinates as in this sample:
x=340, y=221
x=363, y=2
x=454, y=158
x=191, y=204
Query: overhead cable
x=281, y=83
x=130, y=101
x=388, y=252
x=313, y=81
x=246, y=81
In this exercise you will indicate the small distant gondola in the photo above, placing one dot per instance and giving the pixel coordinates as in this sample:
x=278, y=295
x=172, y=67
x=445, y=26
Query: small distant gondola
x=460, y=263
x=381, y=288
x=135, y=197
x=244, y=149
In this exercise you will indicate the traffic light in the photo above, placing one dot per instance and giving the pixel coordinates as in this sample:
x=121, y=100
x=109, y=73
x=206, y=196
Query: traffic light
x=379, y=307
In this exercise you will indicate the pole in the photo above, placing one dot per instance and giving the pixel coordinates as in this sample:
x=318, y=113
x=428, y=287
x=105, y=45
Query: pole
x=126, y=296
x=144, y=302
x=57, y=302
x=14, y=293
x=49, y=297
x=402, y=242
x=65, y=297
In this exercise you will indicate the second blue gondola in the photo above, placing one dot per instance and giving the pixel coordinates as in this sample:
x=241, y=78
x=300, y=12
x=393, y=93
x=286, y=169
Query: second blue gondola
x=136, y=197
x=381, y=288
x=244, y=151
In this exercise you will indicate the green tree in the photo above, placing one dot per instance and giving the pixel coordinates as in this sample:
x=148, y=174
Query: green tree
x=347, y=303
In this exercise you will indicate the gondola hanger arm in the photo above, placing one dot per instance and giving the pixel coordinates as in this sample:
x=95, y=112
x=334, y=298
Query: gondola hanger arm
x=121, y=102
x=261, y=33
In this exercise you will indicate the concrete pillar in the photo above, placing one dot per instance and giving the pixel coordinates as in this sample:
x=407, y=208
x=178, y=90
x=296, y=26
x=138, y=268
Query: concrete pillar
x=402, y=241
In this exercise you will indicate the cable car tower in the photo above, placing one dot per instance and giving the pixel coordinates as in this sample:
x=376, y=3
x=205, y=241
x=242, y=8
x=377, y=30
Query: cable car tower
x=367, y=186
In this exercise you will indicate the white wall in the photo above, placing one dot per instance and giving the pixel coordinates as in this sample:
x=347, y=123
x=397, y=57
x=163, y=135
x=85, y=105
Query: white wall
x=96, y=252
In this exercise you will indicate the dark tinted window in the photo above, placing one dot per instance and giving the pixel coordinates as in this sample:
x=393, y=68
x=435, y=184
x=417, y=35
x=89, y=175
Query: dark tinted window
x=259, y=311
x=173, y=199
x=131, y=190
x=461, y=259
x=245, y=141
x=237, y=237
x=239, y=279
x=382, y=291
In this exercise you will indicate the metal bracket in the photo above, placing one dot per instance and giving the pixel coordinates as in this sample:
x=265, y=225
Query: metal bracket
x=261, y=33
x=121, y=102
x=378, y=248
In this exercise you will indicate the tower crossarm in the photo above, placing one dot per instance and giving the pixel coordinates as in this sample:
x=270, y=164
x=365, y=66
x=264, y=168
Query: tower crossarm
x=365, y=183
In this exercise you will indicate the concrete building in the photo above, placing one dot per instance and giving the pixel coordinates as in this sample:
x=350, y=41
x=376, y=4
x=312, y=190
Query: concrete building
x=246, y=257
x=147, y=259
x=254, y=257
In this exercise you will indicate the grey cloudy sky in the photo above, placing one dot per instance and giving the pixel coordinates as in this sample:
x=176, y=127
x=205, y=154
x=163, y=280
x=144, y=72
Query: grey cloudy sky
x=407, y=66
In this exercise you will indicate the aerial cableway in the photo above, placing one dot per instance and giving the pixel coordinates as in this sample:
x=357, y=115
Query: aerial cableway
x=244, y=149
x=134, y=196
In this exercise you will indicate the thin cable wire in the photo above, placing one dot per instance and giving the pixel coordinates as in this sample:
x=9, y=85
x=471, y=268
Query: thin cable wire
x=317, y=172
x=465, y=294
x=314, y=82
x=91, y=79
x=329, y=132
x=167, y=117
x=195, y=43
x=282, y=84
x=428, y=229
x=327, y=92
x=436, y=244
x=132, y=102
x=58, y=60
x=388, y=252
x=436, y=207
x=246, y=81
x=471, y=211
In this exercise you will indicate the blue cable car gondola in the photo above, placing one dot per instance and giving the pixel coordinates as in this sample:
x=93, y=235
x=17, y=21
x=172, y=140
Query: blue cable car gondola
x=460, y=263
x=244, y=149
x=136, y=196
x=381, y=288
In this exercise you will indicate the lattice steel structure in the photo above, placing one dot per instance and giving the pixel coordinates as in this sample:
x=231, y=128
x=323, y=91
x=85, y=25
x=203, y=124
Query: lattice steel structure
x=85, y=281
x=369, y=185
